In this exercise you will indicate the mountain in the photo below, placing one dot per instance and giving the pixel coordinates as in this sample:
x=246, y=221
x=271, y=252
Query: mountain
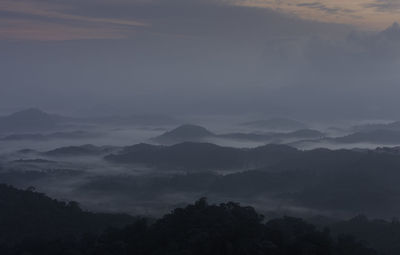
x=52, y=136
x=83, y=150
x=303, y=133
x=29, y=215
x=194, y=133
x=371, y=127
x=275, y=137
x=184, y=133
x=331, y=182
x=30, y=120
x=202, y=228
x=380, y=136
x=201, y=156
x=278, y=124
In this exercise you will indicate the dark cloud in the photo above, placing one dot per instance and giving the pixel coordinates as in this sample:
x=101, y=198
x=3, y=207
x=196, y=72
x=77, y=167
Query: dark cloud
x=384, y=5
x=195, y=57
x=126, y=18
x=324, y=8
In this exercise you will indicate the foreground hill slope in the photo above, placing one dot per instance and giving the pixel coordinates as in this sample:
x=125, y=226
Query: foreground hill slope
x=26, y=214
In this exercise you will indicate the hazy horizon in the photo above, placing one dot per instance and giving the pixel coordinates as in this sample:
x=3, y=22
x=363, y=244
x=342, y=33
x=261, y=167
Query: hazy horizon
x=201, y=57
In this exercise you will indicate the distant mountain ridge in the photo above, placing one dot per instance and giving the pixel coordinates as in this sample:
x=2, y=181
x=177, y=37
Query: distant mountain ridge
x=379, y=136
x=185, y=133
x=276, y=137
x=277, y=124
x=201, y=156
x=35, y=120
x=195, y=133
x=78, y=134
x=83, y=150
x=382, y=126
x=30, y=120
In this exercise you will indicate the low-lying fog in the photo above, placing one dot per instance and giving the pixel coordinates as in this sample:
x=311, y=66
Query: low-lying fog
x=74, y=163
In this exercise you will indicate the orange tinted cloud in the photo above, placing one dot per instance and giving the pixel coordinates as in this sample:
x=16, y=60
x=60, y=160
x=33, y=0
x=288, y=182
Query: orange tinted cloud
x=58, y=20
x=42, y=31
x=30, y=20
x=367, y=14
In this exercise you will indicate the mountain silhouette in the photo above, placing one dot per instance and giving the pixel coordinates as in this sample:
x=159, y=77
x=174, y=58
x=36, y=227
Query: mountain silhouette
x=30, y=120
x=382, y=126
x=275, y=137
x=78, y=134
x=185, y=133
x=83, y=150
x=375, y=136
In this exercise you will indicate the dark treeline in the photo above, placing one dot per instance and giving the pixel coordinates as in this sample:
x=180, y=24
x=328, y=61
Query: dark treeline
x=32, y=223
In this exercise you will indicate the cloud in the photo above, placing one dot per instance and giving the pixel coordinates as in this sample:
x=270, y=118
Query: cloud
x=384, y=5
x=185, y=56
x=45, y=20
x=324, y=8
x=25, y=29
x=123, y=18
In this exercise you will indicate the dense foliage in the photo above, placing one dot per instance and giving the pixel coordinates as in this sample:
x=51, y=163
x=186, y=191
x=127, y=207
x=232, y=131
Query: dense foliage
x=28, y=215
x=196, y=229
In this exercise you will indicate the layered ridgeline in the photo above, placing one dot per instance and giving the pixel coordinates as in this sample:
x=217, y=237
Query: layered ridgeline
x=185, y=133
x=388, y=134
x=206, y=156
x=36, y=120
x=378, y=136
x=346, y=182
x=77, y=134
x=395, y=125
x=195, y=133
x=343, y=182
x=201, y=156
x=35, y=224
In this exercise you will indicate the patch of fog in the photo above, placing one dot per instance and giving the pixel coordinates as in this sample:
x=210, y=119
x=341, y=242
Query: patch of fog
x=59, y=184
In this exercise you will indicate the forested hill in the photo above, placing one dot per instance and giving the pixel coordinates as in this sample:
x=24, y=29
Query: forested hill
x=25, y=214
x=37, y=225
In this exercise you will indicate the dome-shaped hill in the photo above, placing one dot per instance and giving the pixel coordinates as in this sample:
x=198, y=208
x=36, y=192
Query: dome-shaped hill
x=185, y=133
x=30, y=120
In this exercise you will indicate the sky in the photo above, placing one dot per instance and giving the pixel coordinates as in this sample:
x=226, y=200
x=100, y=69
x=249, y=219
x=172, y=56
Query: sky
x=63, y=20
x=306, y=59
